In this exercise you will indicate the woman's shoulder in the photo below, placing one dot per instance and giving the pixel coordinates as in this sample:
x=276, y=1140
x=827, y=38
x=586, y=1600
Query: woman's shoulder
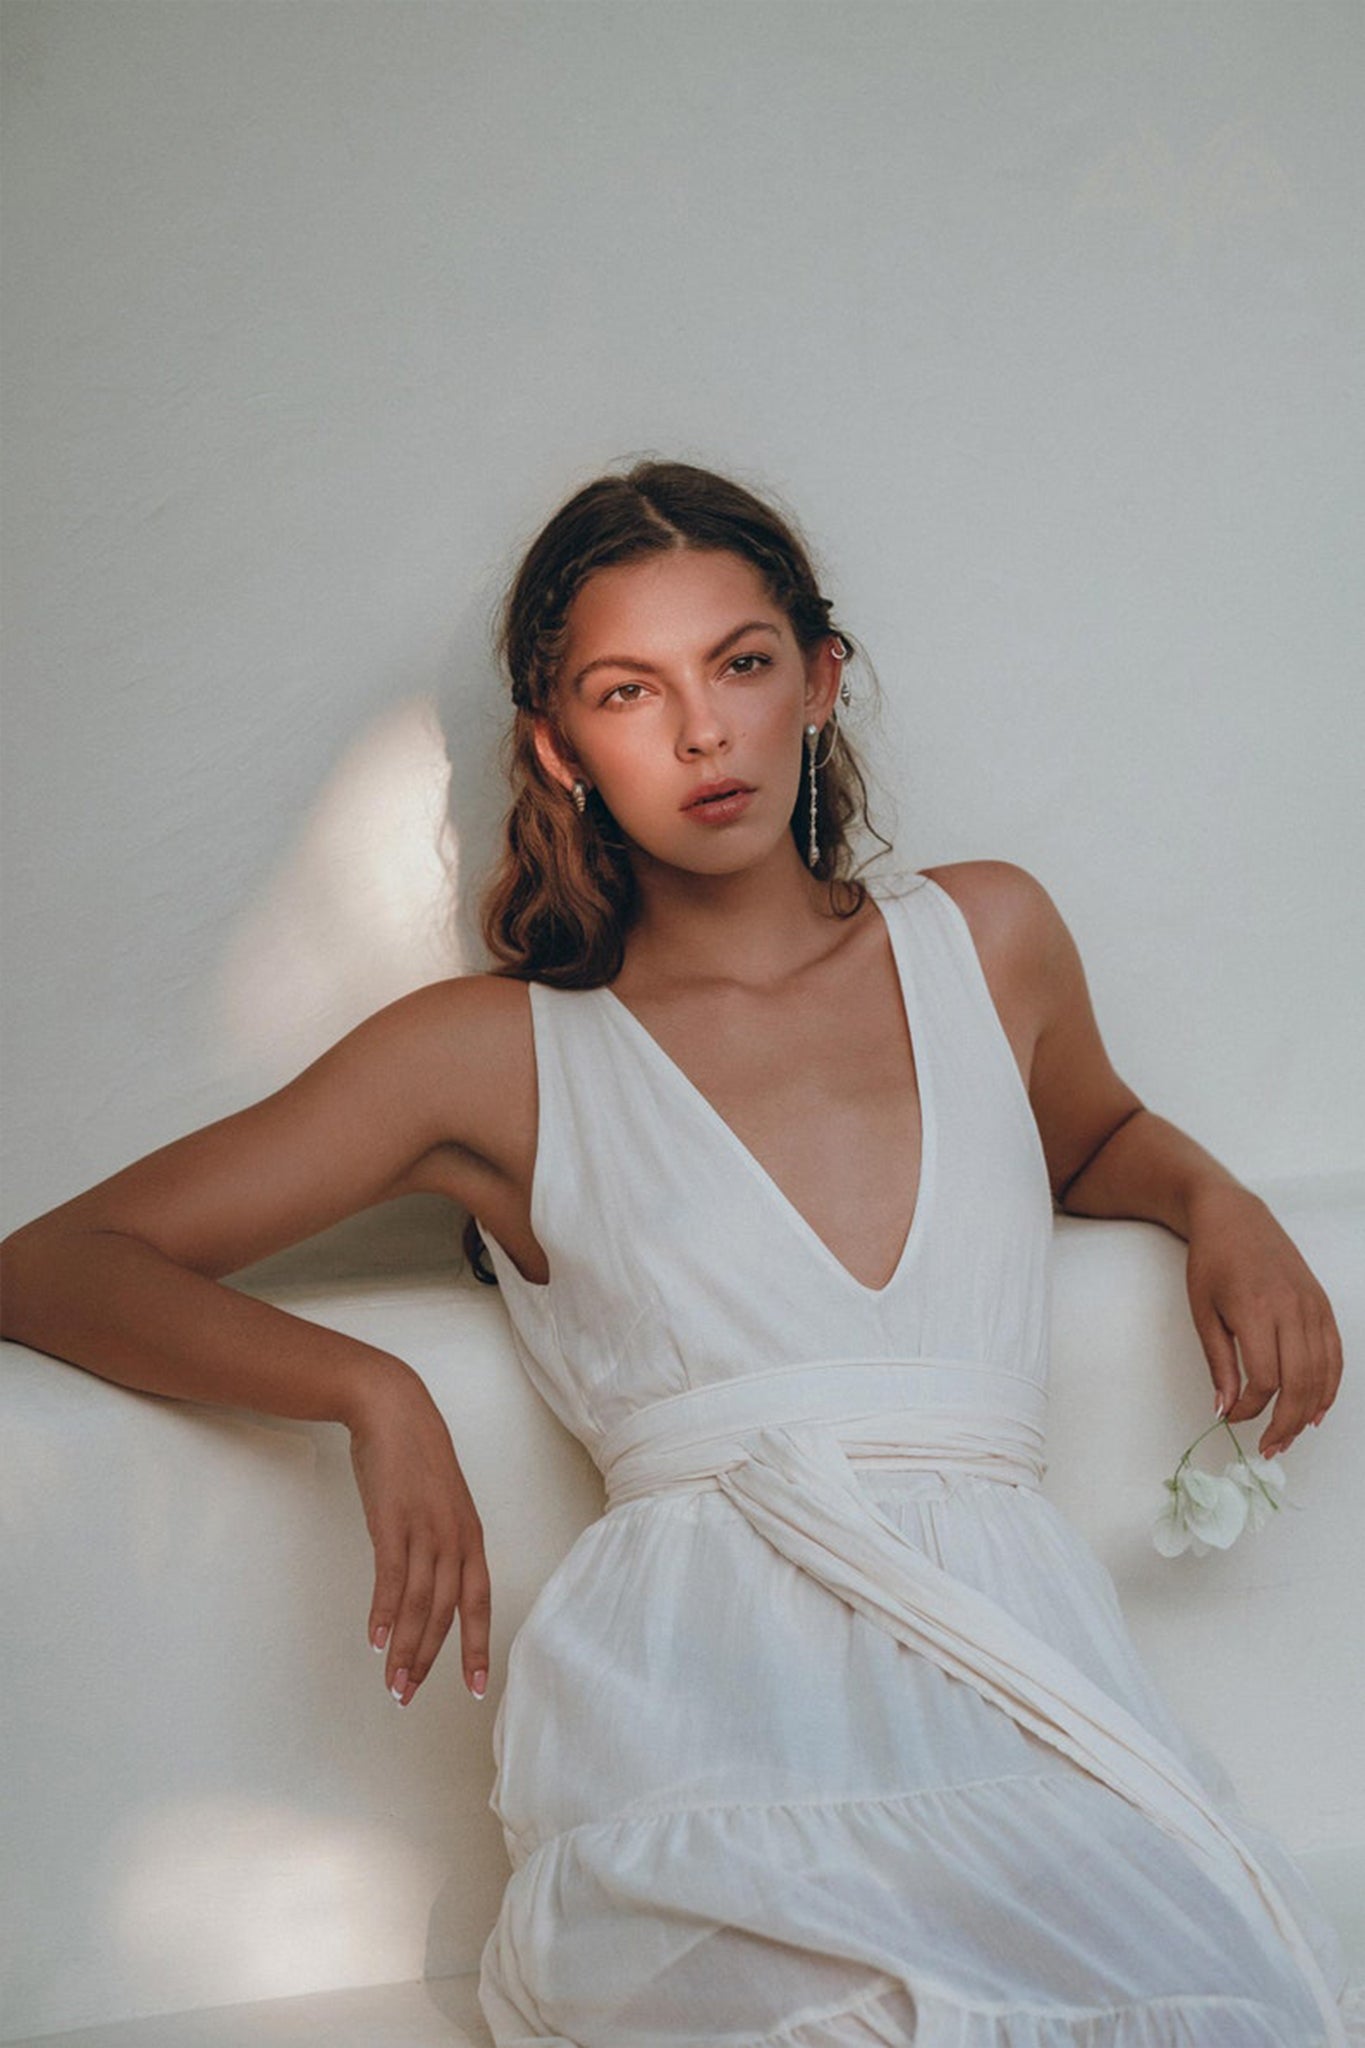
x=1013, y=920
x=997, y=894
x=464, y=1046
x=469, y=1034
x=476, y=1002
x=993, y=889
x=484, y=1019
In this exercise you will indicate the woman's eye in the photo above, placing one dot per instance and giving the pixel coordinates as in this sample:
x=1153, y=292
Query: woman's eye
x=631, y=693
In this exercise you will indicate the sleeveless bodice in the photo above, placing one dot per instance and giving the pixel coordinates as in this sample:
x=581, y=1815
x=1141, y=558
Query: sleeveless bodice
x=675, y=1261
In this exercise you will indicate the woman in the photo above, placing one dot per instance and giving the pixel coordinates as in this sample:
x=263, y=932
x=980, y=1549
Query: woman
x=829, y=1730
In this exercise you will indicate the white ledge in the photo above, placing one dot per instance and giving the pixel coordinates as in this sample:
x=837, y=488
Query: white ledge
x=221, y=1808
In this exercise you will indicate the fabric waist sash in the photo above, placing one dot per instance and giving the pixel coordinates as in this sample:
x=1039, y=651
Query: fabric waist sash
x=783, y=1446
x=901, y=1414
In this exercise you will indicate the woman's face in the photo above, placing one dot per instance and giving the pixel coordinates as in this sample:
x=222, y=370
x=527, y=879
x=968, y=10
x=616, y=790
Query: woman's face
x=682, y=680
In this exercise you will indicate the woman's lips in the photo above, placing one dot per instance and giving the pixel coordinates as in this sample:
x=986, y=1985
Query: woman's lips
x=717, y=803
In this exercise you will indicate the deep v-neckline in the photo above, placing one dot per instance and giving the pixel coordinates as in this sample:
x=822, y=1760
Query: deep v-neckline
x=912, y=1025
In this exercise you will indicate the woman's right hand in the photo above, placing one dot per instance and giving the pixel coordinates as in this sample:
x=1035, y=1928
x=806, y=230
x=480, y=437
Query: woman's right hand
x=427, y=1537
x=435, y=1095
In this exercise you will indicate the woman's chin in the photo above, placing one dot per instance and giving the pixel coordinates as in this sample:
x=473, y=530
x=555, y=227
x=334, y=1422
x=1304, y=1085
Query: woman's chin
x=714, y=853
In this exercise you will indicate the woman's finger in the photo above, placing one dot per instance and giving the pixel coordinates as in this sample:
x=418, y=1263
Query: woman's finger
x=390, y=1570
x=1329, y=1345
x=1300, y=1385
x=475, y=1619
x=1261, y=1363
x=1220, y=1352
x=410, y=1624
x=445, y=1592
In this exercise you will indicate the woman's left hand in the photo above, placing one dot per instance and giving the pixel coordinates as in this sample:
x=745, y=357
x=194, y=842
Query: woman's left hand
x=1247, y=1281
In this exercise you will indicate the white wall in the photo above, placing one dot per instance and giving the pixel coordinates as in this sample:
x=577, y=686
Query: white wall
x=1044, y=318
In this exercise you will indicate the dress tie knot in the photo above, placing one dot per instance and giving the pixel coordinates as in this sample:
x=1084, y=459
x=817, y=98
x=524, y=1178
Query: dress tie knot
x=920, y=1414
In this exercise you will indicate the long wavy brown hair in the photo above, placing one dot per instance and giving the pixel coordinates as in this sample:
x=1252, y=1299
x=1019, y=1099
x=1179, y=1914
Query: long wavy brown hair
x=561, y=901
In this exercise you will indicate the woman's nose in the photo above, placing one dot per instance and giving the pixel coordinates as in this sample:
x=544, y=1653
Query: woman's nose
x=701, y=727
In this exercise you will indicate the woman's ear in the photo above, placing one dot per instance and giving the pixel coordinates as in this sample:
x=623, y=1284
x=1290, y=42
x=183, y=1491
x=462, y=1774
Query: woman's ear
x=558, y=765
x=823, y=676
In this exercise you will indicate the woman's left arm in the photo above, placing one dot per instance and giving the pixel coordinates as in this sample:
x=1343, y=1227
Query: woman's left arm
x=1249, y=1287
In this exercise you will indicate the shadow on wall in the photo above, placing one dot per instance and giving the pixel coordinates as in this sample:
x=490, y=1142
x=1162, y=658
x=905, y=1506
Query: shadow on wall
x=377, y=895
x=378, y=892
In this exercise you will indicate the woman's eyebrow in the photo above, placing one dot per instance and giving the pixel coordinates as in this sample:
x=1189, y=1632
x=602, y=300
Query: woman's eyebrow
x=629, y=661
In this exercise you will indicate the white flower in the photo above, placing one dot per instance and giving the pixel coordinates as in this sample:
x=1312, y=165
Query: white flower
x=1203, y=1513
x=1262, y=1481
x=1207, y=1512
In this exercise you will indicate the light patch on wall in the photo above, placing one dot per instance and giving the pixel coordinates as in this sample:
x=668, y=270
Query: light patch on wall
x=230, y=1899
x=359, y=913
x=1229, y=177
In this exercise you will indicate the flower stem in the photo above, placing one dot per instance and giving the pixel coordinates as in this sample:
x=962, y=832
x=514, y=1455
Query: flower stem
x=1268, y=1491
x=1221, y=1423
x=1257, y=1480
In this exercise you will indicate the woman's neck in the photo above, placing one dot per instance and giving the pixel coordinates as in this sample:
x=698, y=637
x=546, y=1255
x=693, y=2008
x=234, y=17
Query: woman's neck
x=757, y=926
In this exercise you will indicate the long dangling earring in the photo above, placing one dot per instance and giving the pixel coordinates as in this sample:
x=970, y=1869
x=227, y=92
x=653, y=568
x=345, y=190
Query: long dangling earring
x=812, y=842
x=840, y=651
x=579, y=793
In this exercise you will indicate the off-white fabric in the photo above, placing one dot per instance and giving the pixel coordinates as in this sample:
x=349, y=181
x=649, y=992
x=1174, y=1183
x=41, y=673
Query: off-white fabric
x=830, y=1730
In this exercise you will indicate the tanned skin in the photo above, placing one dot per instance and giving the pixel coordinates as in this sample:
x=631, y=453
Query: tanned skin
x=787, y=1018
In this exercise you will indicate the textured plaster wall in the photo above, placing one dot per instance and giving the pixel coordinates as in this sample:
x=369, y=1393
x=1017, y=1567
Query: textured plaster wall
x=1044, y=319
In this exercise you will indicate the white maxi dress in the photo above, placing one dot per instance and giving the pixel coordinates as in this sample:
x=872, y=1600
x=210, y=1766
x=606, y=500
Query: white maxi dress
x=830, y=1729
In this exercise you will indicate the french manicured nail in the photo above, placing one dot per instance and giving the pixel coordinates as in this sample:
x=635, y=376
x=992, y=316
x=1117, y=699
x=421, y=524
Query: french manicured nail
x=1222, y=1404
x=380, y=1636
x=399, y=1686
x=478, y=1685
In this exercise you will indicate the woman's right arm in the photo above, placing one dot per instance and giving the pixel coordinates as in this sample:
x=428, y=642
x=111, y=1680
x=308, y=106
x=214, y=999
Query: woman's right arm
x=123, y=1280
